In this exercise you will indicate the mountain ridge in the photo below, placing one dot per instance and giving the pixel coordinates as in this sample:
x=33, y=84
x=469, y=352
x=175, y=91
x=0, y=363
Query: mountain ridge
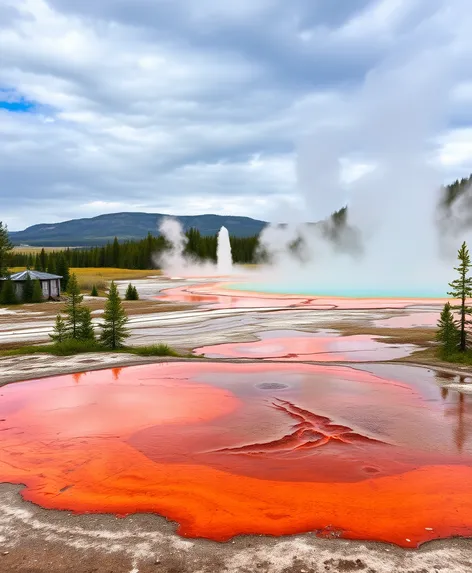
x=90, y=231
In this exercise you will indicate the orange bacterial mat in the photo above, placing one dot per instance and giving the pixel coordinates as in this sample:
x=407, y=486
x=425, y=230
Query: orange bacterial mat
x=228, y=449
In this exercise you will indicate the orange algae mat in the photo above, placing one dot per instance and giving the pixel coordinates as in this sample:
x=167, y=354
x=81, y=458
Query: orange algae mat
x=227, y=449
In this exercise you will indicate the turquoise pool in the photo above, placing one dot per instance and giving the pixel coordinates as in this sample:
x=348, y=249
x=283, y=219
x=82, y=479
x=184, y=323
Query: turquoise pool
x=341, y=291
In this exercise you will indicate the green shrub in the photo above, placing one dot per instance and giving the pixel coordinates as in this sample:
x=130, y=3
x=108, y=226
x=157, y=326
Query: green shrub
x=8, y=292
x=60, y=332
x=154, y=350
x=37, y=295
x=94, y=291
x=72, y=346
x=131, y=293
x=67, y=347
x=28, y=289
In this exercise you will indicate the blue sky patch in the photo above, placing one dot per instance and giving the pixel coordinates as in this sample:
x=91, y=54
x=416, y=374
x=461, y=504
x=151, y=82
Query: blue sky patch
x=18, y=106
x=12, y=101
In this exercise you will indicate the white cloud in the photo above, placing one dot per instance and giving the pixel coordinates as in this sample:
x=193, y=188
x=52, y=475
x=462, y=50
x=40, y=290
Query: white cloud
x=194, y=107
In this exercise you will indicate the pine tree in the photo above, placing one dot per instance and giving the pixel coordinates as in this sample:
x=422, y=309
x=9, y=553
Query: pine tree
x=461, y=288
x=94, y=291
x=37, y=294
x=116, y=253
x=62, y=269
x=8, y=293
x=114, y=331
x=43, y=260
x=51, y=265
x=131, y=293
x=28, y=289
x=5, y=247
x=60, y=332
x=85, y=329
x=448, y=334
x=73, y=306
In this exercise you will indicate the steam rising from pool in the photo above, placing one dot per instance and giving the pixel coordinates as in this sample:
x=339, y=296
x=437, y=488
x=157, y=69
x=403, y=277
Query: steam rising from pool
x=176, y=261
x=374, y=151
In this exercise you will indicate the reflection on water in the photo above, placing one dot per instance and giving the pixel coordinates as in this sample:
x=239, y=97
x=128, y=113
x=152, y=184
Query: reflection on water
x=418, y=319
x=77, y=376
x=226, y=448
x=326, y=346
x=116, y=373
x=458, y=407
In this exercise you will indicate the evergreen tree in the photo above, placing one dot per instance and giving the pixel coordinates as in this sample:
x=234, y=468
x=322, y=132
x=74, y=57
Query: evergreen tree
x=43, y=260
x=448, y=334
x=37, y=262
x=85, y=329
x=8, y=293
x=51, y=266
x=114, y=331
x=131, y=293
x=116, y=253
x=62, y=269
x=461, y=288
x=28, y=289
x=5, y=247
x=37, y=294
x=94, y=291
x=60, y=332
x=73, y=306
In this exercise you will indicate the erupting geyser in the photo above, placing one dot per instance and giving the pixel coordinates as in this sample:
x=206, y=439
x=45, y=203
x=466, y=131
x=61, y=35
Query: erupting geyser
x=177, y=261
x=223, y=253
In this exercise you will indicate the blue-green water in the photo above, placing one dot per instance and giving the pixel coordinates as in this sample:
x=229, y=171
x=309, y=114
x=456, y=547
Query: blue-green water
x=341, y=291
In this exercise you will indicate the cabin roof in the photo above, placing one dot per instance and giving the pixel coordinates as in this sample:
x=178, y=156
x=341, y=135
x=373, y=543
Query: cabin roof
x=34, y=275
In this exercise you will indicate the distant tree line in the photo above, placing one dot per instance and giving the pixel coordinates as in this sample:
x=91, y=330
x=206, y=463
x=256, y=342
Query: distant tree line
x=142, y=254
x=455, y=190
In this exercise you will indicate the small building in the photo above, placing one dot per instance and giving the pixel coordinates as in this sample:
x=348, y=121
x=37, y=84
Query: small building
x=50, y=284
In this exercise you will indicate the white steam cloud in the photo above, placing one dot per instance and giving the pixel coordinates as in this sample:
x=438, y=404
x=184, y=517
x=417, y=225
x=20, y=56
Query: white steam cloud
x=392, y=208
x=176, y=262
x=393, y=243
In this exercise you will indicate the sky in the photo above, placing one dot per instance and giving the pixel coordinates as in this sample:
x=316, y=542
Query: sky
x=190, y=107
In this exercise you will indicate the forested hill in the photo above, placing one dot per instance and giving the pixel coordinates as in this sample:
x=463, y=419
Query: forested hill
x=135, y=226
x=127, y=226
x=456, y=189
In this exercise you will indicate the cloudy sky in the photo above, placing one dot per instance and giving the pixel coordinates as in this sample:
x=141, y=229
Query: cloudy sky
x=212, y=106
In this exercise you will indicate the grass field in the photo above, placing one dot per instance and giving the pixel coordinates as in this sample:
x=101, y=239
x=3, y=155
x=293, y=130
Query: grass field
x=100, y=277
x=36, y=250
x=88, y=277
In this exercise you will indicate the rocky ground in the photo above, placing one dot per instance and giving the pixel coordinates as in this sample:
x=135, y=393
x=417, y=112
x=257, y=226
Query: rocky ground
x=33, y=540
